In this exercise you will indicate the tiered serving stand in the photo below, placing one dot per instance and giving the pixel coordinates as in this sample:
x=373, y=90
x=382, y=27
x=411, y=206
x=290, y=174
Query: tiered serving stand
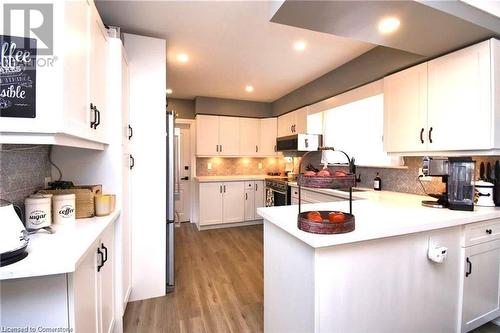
x=329, y=182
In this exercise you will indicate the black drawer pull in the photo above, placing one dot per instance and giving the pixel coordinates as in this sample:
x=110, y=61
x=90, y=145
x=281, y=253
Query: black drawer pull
x=130, y=132
x=422, y=135
x=469, y=267
x=489, y=231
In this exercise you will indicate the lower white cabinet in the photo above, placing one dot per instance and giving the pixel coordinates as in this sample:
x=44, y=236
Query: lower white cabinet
x=308, y=196
x=229, y=202
x=481, y=285
x=81, y=302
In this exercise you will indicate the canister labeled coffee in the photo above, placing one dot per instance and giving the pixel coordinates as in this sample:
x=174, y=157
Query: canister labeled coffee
x=63, y=206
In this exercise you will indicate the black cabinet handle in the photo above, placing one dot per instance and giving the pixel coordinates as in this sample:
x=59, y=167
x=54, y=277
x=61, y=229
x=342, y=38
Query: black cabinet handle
x=220, y=188
x=469, y=267
x=422, y=135
x=92, y=109
x=224, y=188
x=99, y=266
x=217, y=148
x=185, y=178
x=246, y=196
x=105, y=253
x=256, y=186
x=132, y=161
x=130, y=132
x=98, y=118
x=256, y=148
x=430, y=134
x=489, y=231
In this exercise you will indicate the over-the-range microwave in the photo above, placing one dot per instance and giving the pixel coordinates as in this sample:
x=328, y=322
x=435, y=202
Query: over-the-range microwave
x=299, y=143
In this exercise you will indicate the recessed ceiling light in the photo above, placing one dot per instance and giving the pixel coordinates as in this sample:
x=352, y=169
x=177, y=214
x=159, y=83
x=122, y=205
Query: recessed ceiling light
x=299, y=46
x=249, y=89
x=169, y=91
x=388, y=25
x=182, y=57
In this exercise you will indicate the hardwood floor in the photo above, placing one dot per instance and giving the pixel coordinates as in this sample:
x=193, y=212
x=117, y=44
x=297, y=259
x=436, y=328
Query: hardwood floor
x=219, y=285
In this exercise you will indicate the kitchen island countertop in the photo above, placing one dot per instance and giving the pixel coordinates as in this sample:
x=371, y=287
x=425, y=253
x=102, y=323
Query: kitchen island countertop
x=381, y=214
x=208, y=179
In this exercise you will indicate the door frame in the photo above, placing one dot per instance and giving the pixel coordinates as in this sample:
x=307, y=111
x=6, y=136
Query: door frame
x=192, y=173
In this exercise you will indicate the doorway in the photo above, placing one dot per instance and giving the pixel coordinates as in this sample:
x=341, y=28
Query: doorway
x=184, y=172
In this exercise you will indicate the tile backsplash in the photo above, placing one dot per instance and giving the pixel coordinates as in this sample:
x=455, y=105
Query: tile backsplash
x=23, y=169
x=228, y=166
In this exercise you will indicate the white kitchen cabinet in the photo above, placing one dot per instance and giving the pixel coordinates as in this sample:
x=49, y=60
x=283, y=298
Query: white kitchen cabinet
x=106, y=283
x=405, y=110
x=268, y=134
x=210, y=203
x=481, y=287
x=249, y=204
x=207, y=135
x=249, y=130
x=233, y=207
x=259, y=187
x=98, y=83
x=63, y=84
x=294, y=122
x=229, y=136
x=459, y=99
x=445, y=105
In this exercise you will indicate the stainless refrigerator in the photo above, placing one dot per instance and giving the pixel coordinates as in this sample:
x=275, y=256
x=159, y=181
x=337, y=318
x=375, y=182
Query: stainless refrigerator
x=171, y=195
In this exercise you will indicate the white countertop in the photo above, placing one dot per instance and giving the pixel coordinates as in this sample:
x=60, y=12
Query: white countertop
x=59, y=252
x=207, y=179
x=382, y=214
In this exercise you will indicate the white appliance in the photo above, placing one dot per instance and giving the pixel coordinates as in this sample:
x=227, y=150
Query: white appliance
x=484, y=194
x=298, y=143
x=172, y=192
x=13, y=236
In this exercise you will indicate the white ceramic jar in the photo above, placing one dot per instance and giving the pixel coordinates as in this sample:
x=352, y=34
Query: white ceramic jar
x=38, y=212
x=64, y=208
x=484, y=193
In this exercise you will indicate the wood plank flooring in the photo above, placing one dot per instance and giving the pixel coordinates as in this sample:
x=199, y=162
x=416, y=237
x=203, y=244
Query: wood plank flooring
x=219, y=285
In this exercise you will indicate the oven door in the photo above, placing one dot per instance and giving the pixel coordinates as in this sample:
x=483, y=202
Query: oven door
x=275, y=198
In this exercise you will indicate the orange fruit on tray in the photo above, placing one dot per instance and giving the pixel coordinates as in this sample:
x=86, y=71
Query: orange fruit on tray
x=336, y=217
x=340, y=174
x=315, y=217
x=323, y=173
x=309, y=173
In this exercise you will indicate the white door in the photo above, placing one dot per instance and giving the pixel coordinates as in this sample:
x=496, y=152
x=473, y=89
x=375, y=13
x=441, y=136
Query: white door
x=249, y=137
x=106, y=278
x=259, y=197
x=229, y=136
x=405, y=110
x=249, y=204
x=300, y=123
x=234, y=202
x=76, y=68
x=85, y=293
x=460, y=100
x=268, y=134
x=207, y=135
x=481, y=285
x=183, y=202
x=210, y=203
x=98, y=56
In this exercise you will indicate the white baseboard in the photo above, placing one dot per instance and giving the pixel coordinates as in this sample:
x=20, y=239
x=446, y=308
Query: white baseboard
x=229, y=225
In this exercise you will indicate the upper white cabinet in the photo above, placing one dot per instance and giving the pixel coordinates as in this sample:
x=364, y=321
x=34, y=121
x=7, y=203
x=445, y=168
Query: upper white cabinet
x=293, y=122
x=234, y=136
x=405, y=110
x=229, y=136
x=459, y=99
x=445, y=105
x=67, y=82
x=268, y=134
x=207, y=135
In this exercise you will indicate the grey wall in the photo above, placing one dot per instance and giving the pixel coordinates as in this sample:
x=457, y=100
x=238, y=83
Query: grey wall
x=23, y=169
x=370, y=66
x=232, y=107
x=184, y=108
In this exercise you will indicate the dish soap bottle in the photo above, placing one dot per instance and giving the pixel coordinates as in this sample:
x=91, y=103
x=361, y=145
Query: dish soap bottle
x=377, y=183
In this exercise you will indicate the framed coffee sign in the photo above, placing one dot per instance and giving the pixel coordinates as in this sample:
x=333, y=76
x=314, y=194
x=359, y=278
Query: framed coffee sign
x=17, y=77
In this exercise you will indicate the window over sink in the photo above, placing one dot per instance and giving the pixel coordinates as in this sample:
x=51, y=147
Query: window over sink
x=357, y=127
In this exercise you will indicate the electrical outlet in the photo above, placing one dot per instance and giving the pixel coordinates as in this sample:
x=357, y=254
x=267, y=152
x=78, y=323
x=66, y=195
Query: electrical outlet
x=260, y=165
x=209, y=166
x=47, y=181
x=422, y=177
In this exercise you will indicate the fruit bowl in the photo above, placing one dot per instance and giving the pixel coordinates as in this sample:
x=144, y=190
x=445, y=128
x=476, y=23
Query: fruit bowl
x=331, y=182
x=305, y=223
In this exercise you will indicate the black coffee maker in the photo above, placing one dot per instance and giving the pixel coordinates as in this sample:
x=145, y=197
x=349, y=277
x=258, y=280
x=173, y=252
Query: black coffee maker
x=458, y=175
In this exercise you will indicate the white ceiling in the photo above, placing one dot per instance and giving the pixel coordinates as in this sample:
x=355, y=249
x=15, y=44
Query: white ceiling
x=230, y=45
